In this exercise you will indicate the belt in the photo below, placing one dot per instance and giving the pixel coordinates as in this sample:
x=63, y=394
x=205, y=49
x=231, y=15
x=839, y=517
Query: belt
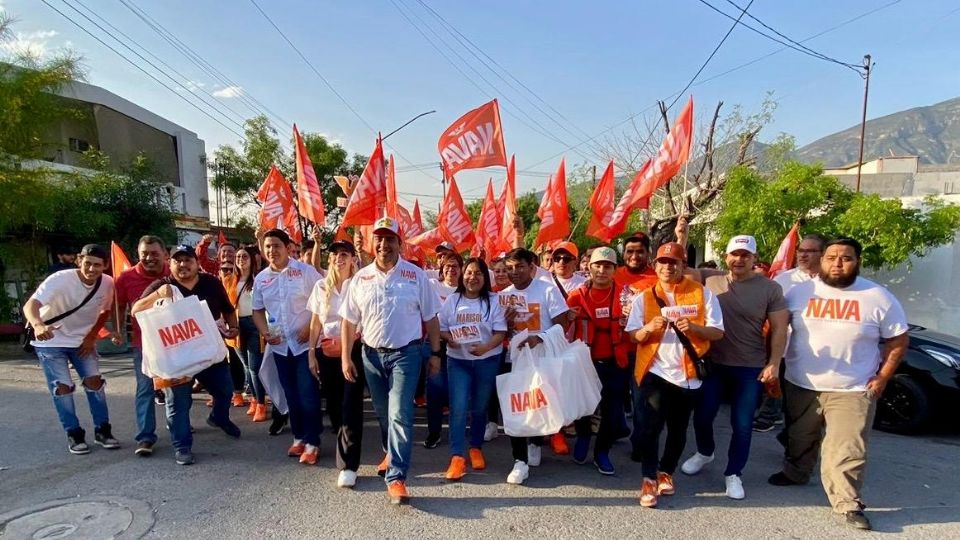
x=388, y=350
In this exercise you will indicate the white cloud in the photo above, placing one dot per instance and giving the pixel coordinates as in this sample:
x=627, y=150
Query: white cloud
x=32, y=43
x=229, y=92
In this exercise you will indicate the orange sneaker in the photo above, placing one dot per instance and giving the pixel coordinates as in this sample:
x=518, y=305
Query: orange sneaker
x=260, y=415
x=310, y=455
x=477, y=462
x=397, y=491
x=252, y=409
x=382, y=467
x=648, y=493
x=665, y=484
x=296, y=449
x=457, y=468
x=559, y=444
x=420, y=402
x=238, y=400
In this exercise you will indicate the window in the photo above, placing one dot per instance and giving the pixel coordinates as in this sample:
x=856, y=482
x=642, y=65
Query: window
x=79, y=145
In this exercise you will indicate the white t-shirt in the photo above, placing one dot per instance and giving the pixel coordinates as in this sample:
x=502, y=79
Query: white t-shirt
x=543, y=274
x=244, y=300
x=328, y=311
x=472, y=321
x=537, y=305
x=442, y=289
x=284, y=295
x=63, y=291
x=835, y=346
x=390, y=306
x=791, y=278
x=668, y=363
x=572, y=283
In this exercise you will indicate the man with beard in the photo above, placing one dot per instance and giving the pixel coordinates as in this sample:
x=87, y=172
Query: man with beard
x=130, y=286
x=836, y=369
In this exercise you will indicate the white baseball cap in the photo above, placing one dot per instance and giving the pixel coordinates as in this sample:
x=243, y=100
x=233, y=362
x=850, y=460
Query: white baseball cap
x=604, y=254
x=742, y=242
x=386, y=225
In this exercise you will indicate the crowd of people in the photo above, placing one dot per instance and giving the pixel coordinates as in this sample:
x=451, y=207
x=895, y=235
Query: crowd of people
x=811, y=349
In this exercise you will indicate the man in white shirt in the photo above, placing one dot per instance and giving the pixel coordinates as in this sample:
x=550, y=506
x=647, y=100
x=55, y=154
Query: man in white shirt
x=281, y=292
x=61, y=341
x=836, y=370
x=565, y=265
x=392, y=301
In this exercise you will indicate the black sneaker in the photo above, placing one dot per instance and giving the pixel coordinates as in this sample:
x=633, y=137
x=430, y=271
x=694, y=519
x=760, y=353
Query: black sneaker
x=184, y=457
x=762, y=425
x=76, y=442
x=857, y=520
x=159, y=397
x=432, y=440
x=276, y=426
x=103, y=436
x=636, y=456
x=780, y=479
x=144, y=449
x=227, y=426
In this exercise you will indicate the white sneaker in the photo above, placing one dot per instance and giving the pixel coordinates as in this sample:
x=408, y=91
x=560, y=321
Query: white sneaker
x=533, y=455
x=490, y=433
x=519, y=473
x=347, y=479
x=695, y=463
x=734, y=487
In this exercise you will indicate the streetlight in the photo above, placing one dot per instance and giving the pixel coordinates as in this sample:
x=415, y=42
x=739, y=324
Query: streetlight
x=408, y=122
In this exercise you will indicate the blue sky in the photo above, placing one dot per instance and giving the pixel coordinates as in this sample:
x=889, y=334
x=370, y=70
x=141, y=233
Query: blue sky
x=596, y=63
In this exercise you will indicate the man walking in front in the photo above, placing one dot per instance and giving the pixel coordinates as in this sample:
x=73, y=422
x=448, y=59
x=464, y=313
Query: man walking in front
x=387, y=301
x=836, y=369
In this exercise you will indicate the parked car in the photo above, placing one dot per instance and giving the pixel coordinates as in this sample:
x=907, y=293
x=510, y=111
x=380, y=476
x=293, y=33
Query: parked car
x=927, y=384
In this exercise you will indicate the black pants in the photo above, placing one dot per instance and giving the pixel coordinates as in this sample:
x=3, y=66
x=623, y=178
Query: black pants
x=663, y=404
x=614, y=381
x=345, y=406
x=237, y=372
x=519, y=446
x=493, y=409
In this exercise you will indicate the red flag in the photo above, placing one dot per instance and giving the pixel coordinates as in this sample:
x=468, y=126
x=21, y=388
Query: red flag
x=221, y=238
x=392, y=205
x=508, y=233
x=488, y=226
x=277, y=199
x=553, y=213
x=428, y=240
x=602, y=205
x=617, y=221
x=474, y=141
x=370, y=193
x=408, y=225
x=453, y=220
x=674, y=152
x=788, y=247
x=416, y=214
x=118, y=260
x=309, y=198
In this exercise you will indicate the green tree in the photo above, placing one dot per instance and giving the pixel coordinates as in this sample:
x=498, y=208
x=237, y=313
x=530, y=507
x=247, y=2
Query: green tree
x=766, y=205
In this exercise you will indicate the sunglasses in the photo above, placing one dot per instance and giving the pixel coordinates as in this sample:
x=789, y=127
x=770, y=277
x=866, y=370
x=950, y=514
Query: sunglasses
x=227, y=270
x=563, y=258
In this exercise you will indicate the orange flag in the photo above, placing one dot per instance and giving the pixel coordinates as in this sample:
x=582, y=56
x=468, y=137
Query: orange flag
x=602, y=205
x=674, y=152
x=428, y=240
x=453, y=221
x=788, y=247
x=553, y=213
x=277, y=199
x=118, y=260
x=474, y=141
x=508, y=233
x=221, y=238
x=617, y=221
x=408, y=225
x=309, y=198
x=488, y=226
x=392, y=208
x=416, y=215
x=370, y=193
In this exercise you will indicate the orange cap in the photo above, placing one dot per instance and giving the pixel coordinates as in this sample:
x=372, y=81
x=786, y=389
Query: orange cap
x=672, y=250
x=569, y=247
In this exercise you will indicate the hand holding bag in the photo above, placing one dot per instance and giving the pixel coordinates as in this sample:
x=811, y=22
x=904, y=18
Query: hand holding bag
x=180, y=338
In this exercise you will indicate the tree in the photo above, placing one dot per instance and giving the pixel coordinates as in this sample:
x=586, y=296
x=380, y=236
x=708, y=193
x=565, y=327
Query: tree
x=766, y=205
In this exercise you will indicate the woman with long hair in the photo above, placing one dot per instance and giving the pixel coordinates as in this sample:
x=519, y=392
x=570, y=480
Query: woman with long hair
x=240, y=290
x=474, y=325
x=344, y=399
x=451, y=269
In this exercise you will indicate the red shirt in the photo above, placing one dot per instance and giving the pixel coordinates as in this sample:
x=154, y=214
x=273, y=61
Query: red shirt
x=129, y=288
x=210, y=266
x=600, y=303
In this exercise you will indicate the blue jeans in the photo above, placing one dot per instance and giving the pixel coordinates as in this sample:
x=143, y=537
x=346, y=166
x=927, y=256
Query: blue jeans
x=303, y=396
x=143, y=402
x=438, y=394
x=471, y=384
x=251, y=356
x=392, y=380
x=613, y=380
x=55, y=362
x=217, y=381
x=745, y=390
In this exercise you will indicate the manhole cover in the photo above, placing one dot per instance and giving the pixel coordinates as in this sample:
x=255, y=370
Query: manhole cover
x=88, y=517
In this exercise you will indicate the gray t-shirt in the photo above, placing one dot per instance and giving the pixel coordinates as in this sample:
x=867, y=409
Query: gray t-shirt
x=745, y=306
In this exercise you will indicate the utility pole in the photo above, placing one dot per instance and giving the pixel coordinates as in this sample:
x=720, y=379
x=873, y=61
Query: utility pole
x=867, y=66
x=594, y=177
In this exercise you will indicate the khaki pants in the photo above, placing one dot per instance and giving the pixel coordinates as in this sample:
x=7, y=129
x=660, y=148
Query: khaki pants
x=836, y=425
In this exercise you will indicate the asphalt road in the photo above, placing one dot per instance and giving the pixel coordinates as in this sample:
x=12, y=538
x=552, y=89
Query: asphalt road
x=248, y=488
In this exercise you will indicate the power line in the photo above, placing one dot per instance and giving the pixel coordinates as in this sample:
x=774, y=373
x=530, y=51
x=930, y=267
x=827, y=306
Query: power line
x=145, y=72
x=328, y=85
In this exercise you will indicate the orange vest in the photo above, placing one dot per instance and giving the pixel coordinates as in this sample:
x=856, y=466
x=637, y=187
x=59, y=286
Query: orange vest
x=687, y=292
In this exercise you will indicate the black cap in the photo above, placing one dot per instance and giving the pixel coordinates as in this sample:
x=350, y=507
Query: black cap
x=94, y=250
x=342, y=245
x=183, y=249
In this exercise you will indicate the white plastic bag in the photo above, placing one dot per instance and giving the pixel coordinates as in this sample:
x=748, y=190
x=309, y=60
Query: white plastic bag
x=271, y=380
x=570, y=370
x=529, y=403
x=180, y=338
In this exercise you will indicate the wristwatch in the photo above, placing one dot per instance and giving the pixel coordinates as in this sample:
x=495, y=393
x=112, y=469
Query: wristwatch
x=435, y=353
